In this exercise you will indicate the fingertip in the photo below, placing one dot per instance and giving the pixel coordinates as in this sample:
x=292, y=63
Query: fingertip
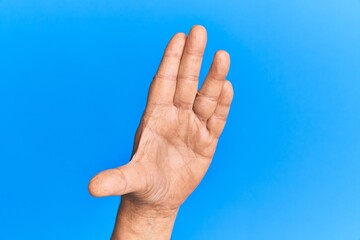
x=180, y=36
x=199, y=34
x=177, y=43
x=199, y=27
x=228, y=86
x=221, y=64
x=103, y=184
x=93, y=187
x=227, y=92
x=223, y=55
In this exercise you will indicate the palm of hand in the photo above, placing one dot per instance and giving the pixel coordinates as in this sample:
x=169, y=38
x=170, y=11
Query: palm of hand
x=179, y=131
x=174, y=152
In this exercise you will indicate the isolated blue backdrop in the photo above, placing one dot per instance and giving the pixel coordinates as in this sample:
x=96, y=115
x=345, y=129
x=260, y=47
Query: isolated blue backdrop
x=73, y=84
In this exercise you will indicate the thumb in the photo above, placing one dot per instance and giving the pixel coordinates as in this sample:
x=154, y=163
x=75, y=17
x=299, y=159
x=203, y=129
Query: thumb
x=115, y=182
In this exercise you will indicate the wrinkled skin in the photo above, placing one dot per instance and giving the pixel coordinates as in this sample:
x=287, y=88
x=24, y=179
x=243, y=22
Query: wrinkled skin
x=178, y=133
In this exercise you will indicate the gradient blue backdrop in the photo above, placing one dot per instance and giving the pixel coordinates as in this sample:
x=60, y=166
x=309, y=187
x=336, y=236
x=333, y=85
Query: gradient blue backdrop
x=73, y=84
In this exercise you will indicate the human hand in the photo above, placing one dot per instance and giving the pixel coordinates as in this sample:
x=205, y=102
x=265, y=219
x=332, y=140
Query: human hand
x=178, y=133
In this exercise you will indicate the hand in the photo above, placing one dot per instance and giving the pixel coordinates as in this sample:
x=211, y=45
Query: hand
x=178, y=133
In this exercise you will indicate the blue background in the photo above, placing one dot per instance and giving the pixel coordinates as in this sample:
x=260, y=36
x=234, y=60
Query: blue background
x=73, y=83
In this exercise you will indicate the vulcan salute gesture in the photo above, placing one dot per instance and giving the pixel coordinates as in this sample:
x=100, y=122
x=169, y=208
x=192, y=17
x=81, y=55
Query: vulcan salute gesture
x=174, y=143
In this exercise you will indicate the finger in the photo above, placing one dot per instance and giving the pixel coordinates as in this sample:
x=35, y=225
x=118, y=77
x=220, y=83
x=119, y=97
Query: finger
x=207, y=98
x=162, y=88
x=115, y=182
x=187, y=79
x=216, y=122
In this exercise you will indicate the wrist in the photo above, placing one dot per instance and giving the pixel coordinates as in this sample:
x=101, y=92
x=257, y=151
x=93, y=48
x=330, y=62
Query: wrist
x=143, y=221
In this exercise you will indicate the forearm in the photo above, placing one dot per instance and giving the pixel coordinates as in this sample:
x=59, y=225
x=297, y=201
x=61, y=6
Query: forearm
x=140, y=222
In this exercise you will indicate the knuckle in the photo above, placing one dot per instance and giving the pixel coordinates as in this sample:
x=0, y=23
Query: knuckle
x=220, y=116
x=208, y=98
x=188, y=77
x=165, y=77
x=193, y=51
x=179, y=103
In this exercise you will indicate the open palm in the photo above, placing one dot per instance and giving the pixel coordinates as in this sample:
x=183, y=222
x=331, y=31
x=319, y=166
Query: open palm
x=179, y=130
